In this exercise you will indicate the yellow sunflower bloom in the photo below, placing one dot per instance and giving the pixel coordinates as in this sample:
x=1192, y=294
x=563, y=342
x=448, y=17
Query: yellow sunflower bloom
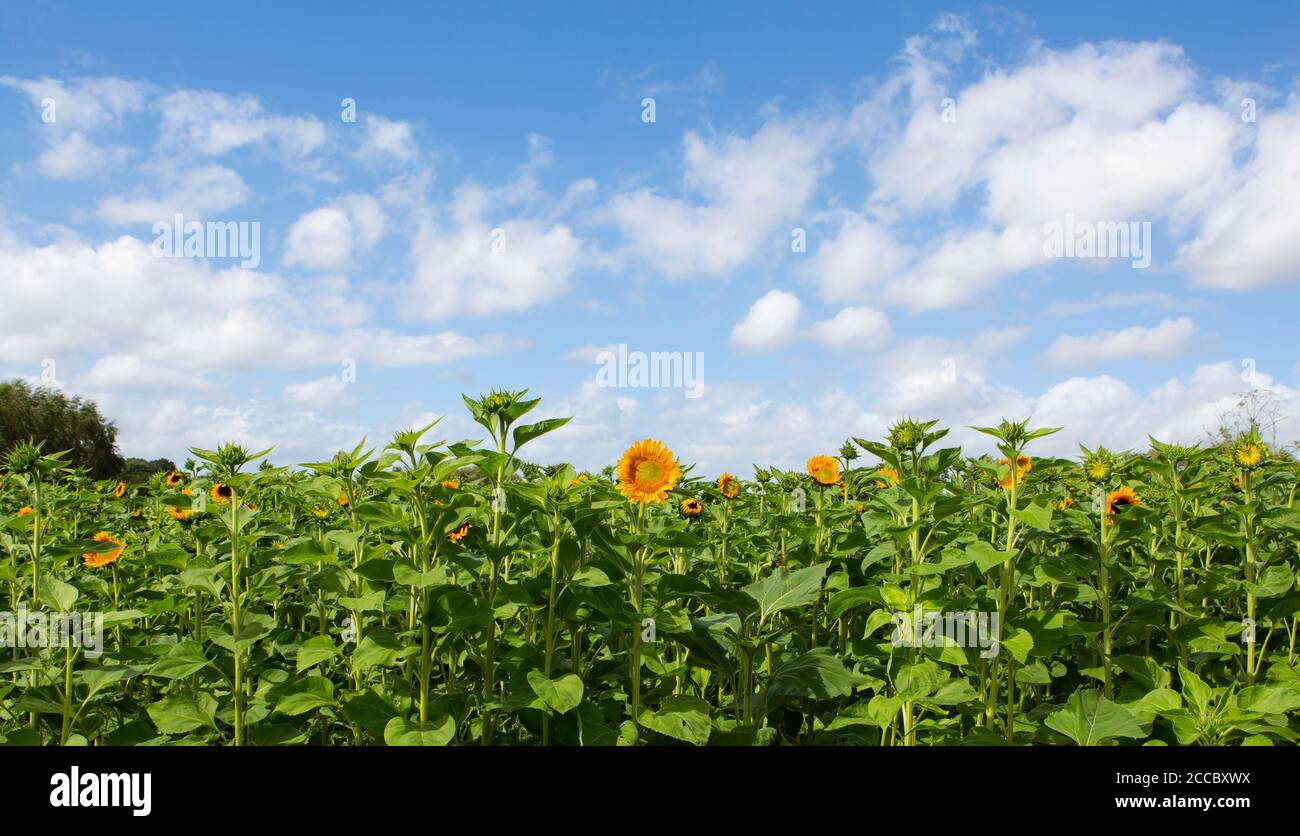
x=460, y=533
x=97, y=559
x=119, y=490
x=691, y=508
x=221, y=494
x=647, y=472
x=824, y=469
x=1119, y=499
x=729, y=486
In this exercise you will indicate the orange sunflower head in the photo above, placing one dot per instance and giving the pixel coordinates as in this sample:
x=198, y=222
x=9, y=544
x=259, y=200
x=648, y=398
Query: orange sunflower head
x=451, y=484
x=175, y=479
x=25, y=510
x=691, y=508
x=222, y=494
x=460, y=533
x=824, y=469
x=891, y=477
x=1120, y=499
x=1023, y=465
x=178, y=514
x=343, y=499
x=729, y=485
x=119, y=490
x=97, y=559
x=647, y=472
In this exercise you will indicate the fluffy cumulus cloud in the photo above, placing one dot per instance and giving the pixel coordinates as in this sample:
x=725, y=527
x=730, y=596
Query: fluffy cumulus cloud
x=738, y=191
x=329, y=237
x=772, y=322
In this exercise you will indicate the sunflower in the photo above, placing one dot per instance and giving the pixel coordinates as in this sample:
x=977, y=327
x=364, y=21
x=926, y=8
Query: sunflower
x=824, y=469
x=460, y=533
x=1066, y=502
x=187, y=491
x=320, y=512
x=1023, y=465
x=222, y=494
x=691, y=508
x=343, y=499
x=451, y=484
x=1098, y=465
x=1119, y=499
x=25, y=510
x=97, y=559
x=578, y=480
x=119, y=490
x=179, y=514
x=647, y=472
x=891, y=476
x=175, y=478
x=729, y=485
x=1249, y=453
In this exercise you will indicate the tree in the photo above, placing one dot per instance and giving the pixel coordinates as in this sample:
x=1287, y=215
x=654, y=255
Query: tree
x=61, y=423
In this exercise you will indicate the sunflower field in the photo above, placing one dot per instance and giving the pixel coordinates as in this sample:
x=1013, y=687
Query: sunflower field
x=892, y=593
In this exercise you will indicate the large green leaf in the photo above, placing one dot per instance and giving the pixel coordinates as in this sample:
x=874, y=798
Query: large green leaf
x=1089, y=719
x=781, y=590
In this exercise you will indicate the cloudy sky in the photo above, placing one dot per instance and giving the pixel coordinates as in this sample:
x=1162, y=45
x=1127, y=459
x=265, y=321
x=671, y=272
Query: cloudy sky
x=845, y=213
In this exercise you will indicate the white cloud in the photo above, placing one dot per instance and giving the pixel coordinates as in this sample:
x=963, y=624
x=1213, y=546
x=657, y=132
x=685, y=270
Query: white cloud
x=854, y=328
x=1170, y=338
x=771, y=322
x=72, y=113
x=314, y=394
x=387, y=139
x=1248, y=236
x=214, y=123
x=328, y=238
x=742, y=189
x=196, y=193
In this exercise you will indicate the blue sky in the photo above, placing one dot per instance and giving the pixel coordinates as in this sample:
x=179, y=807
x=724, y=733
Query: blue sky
x=923, y=289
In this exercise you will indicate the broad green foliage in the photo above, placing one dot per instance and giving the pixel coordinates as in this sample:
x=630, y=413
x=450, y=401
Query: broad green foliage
x=436, y=592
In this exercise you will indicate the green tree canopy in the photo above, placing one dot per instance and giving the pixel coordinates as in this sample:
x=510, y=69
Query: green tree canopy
x=62, y=423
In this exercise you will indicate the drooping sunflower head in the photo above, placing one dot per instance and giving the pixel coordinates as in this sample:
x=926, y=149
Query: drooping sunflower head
x=1098, y=465
x=691, y=508
x=889, y=477
x=459, y=533
x=451, y=484
x=175, y=479
x=1014, y=474
x=1121, y=499
x=647, y=472
x=1249, y=453
x=119, y=490
x=179, y=514
x=729, y=485
x=222, y=493
x=825, y=470
x=97, y=559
